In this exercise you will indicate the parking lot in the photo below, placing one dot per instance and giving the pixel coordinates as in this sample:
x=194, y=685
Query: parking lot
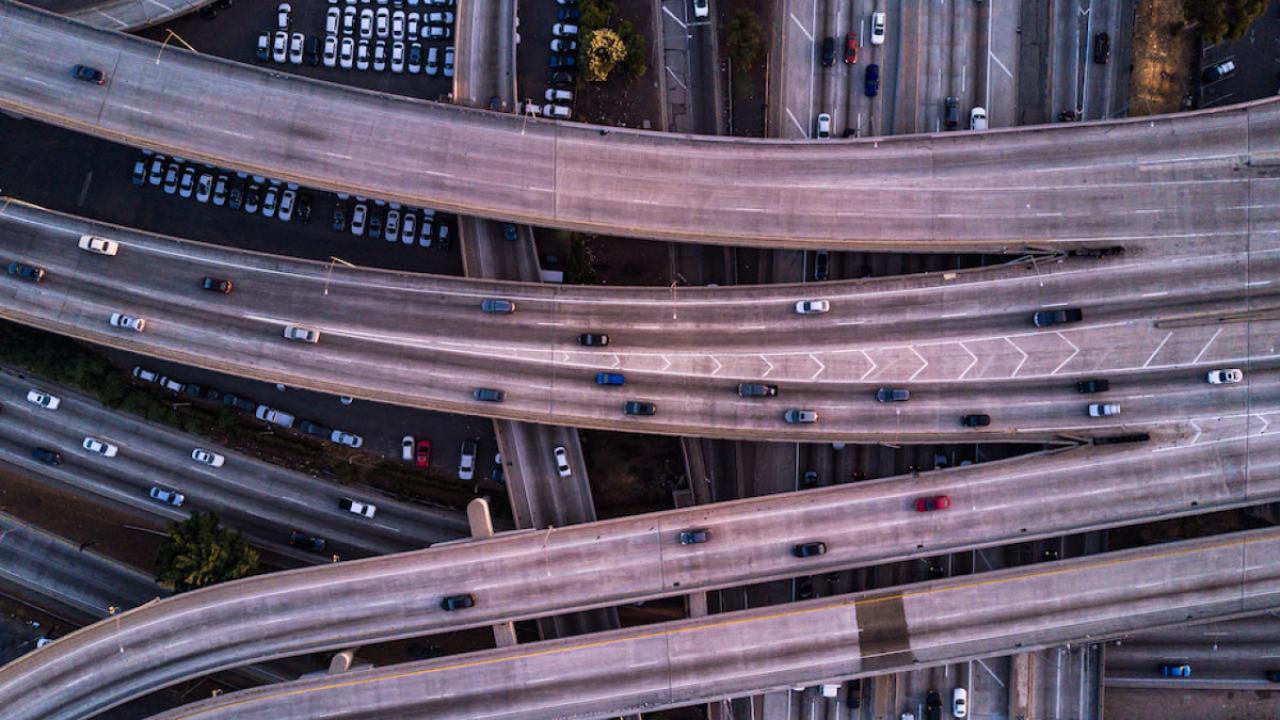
x=1256, y=60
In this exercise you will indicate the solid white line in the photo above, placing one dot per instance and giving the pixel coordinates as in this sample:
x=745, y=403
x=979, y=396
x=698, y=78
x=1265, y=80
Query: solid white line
x=1157, y=350
x=1206, y=346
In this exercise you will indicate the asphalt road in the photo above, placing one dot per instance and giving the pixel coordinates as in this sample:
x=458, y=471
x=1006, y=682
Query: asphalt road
x=1234, y=654
x=1168, y=177
x=534, y=574
x=681, y=663
x=121, y=15
x=265, y=501
x=1153, y=328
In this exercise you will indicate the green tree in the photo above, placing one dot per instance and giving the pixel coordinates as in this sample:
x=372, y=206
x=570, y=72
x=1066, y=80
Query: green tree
x=604, y=50
x=746, y=37
x=200, y=552
x=1223, y=19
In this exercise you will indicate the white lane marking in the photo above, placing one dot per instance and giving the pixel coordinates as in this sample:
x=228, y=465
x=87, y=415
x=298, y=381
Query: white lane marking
x=873, y=365
x=1025, y=356
x=912, y=348
x=719, y=365
x=803, y=130
x=672, y=15
x=766, y=362
x=803, y=29
x=975, y=361
x=821, y=367
x=1200, y=354
x=1158, y=348
x=1076, y=351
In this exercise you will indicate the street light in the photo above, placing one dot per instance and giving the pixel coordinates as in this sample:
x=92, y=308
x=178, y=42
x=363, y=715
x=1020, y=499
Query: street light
x=329, y=273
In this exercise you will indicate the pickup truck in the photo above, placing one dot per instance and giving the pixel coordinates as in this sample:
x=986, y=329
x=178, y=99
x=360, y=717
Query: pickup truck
x=756, y=390
x=1045, y=318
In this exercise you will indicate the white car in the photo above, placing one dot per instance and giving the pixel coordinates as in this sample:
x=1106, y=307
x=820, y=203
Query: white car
x=331, y=50
x=448, y=61
x=282, y=16
x=362, y=55
x=170, y=384
x=440, y=18
x=552, y=110
x=144, y=374
x=207, y=457
x=409, y=230
x=397, y=25
x=382, y=22
x=978, y=119
x=285, y=212
x=877, y=28
x=824, y=126
x=406, y=448
x=412, y=27
x=467, y=462
x=1103, y=409
x=397, y=57
x=101, y=447
x=332, y=19
x=280, y=47
x=358, y=215
x=960, y=702
x=812, y=307
x=1225, y=377
x=347, y=55
x=295, y=48
x=349, y=20
x=301, y=334
x=433, y=61
x=168, y=497
x=101, y=246
x=346, y=438
x=555, y=94
x=391, y=229
x=128, y=322
x=43, y=399
x=701, y=9
x=366, y=23
x=562, y=461
x=204, y=188
x=357, y=507
x=380, y=57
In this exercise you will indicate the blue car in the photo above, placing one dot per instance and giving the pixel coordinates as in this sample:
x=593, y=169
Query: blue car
x=26, y=272
x=606, y=378
x=1175, y=670
x=872, y=85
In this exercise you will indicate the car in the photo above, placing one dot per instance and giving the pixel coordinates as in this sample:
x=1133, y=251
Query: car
x=871, y=81
x=809, y=479
x=235, y=195
x=414, y=64
x=932, y=705
x=951, y=113
x=339, y=218
x=359, y=215
x=171, y=179
x=167, y=496
x=812, y=307
x=437, y=32
x=809, y=549
x=893, y=395
x=128, y=322
x=382, y=22
x=638, y=407
x=252, y=198
x=564, y=30
x=280, y=47
x=851, y=47
x=284, y=212
x=701, y=9
x=1048, y=318
x=282, y=16
x=936, y=502
x=357, y=507
x=366, y=23
x=144, y=374
x=1175, y=670
x=332, y=20
x=406, y=448
x=488, y=395
x=824, y=126
x=1095, y=385
x=270, y=201
x=374, y=229
x=391, y=231
x=346, y=438
x=800, y=417
x=608, y=378
x=423, y=457
x=559, y=78
x=101, y=447
x=562, y=461
x=301, y=334
x=408, y=227
x=155, y=174
x=239, y=403
x=220, y=191
x=467, y=460
x=30, y=273
x=563, y=45
x=821, y=265
x=568, y=13
x=978, y=119
x=498, y=475
x=307, y=542
x=976, y=420
x=877, y=28
x=960, y=702
x=442, y=18
x=556, y=111
x=263, y=50
x=362, y=56
x=561, y=61
x=315, y=428
x=187, y=185
x=331, y=51
x=207, y=457
x=98, y=245
x=1103, y=409
x=1225, y=377
x=1101, y=48
x=397, y=25
x=511, y=234
x=88, y=74
x=302, y=211
x=379, y=56
x=346, y=53
x=696, y=536
x=170, y=384
x=433, y=62
x=457, y=602
x=139, y=176
x=1219, y=71
x=413, y=27
x=311, y=50
x=274, y=416
x=828, y=51
x=498, y=306
x=204, y=188
x=757, y=390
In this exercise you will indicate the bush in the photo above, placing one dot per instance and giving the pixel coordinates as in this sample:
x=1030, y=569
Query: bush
x=746, y=38
x=601, y=16
x=603, y=49
x=1223, y=19
x=200, y=552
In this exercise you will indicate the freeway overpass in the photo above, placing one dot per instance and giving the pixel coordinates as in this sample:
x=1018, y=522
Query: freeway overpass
x=961, y=342
x=121, y=15
x=1233, y=462
x=1160, y=179
x=692, y=661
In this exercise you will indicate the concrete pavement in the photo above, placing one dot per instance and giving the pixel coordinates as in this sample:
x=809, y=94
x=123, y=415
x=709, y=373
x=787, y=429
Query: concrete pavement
x=121, y=15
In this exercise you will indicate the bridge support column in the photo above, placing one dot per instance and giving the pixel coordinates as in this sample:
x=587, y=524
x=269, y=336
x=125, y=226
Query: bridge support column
x=504, y=634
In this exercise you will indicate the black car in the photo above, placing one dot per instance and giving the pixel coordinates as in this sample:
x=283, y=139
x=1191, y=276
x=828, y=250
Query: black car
x=821, y=265
x=976, y=420
x=262, y=50
x=509, y=232
x=306, y=542
x=809, y=549
x=47, y=456
x=375, y=223
x=239, y=403
x=1273, y=676
x=339, y=218
x=88, y=74
x=757, y=390
x=457, y=602
x=139, y=173
x=809, y=479
x=252, y=198
x=828, y=51
x=871, y=83
x=893, y=395
x=1046, y=318
x=311, y=50
x=593, y=340
x=314, y=428
x=559, y=61
x=196, y=390
x=235, y=194
x=933, y=706
x=26, y=272
x=1095, y=385
x=559, y=78
x=302, y=213
x=804, y=588
x=213, y=284
x=568, y=13
x=635, y=407
x=695, y=537
x=1101, y=48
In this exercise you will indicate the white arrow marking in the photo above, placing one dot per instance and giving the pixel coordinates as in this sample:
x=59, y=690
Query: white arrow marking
x=873, y=364
x=719, y=365
x=1024, y=357
x=1198, y=431
x=821, y=367
x=564, y=355
x=1075, y=351
x=667, y=361
x=766, y=362
x=926, y=363
x=616, y=361
x=975, y=361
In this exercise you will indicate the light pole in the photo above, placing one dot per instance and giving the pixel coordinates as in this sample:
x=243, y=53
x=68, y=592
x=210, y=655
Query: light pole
x=329, y=273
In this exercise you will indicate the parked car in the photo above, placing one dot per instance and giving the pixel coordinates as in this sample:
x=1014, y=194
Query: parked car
x=932, y=705
x=800, y=417
x=1103, y=409
x=239, y=403
x=457, y=602
x=1095, y=385
x=1219, y=71
x=144, y=374
x=821, y=265
x=893, y=395
x=960, y=702
x=701, y=9
x=1227, y=376
x=467, y=460
x=263, y=51
x=307, y=542
x=102, y=447
x=273, y=416
x=757, y=390
x=637, y=407
x=951, y=113
x=824, y=126
x=978, y=119
x=170, y=384
x=562, y=461
x=812, y=307
x=593, y=340
x=610, y=378
x=315, y=428
x=929, y=504
x=357, y=507
x=423, y=456
x=101, y=246
x=695, y=537
x=346, y=438
x=489, y=395
x=167, y=496
x=809, y=549
x=207, y=457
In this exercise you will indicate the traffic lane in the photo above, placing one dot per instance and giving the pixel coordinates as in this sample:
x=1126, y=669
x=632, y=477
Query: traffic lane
x=804, y=644
x=149, y=452
x=553, y=500
x=801, y=45
x=628, y=551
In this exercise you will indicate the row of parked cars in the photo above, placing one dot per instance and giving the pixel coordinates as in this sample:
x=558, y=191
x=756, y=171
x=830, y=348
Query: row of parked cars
x=380, y=39
x=392, y=222
x=223, y=188
x=562, y=63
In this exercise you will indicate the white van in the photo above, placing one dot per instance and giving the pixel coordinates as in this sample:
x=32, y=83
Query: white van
x=564, y=30
x=555, y=94
x=556, y=111
x=978, y=119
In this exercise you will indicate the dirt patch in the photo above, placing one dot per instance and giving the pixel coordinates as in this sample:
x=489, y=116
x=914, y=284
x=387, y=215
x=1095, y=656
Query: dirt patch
x=746, y=86
x=623, y=100
x=604, y=260
x=1163, y=57
x=642, y=470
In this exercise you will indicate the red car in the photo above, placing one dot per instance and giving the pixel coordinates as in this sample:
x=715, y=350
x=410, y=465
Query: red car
x=851, y=48
x=926, y=504
x=424, y=453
